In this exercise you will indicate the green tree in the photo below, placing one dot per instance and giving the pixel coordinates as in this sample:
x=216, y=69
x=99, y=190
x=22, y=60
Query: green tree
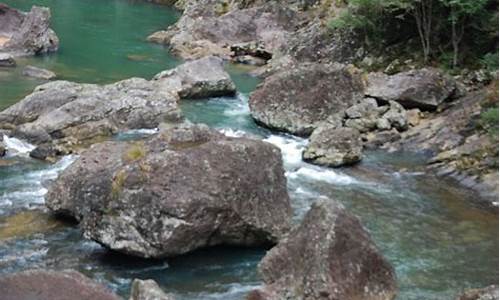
x=460, y=13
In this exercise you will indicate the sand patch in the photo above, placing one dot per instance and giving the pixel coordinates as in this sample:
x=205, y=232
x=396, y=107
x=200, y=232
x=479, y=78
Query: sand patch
x=3, y=40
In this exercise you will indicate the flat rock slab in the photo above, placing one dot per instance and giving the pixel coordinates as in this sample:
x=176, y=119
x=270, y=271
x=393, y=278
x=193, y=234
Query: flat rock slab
x=39, y=73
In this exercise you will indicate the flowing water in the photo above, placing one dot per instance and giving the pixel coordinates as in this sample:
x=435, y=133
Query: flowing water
x=428, y=228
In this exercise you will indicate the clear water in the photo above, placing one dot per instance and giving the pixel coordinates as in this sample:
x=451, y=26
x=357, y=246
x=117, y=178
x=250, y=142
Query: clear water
x=437, y=240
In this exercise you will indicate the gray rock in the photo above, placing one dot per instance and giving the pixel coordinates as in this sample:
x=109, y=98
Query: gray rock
x=295, y=100
x=7, y=60
x=334, y=147
x=69, y=114
x=207, y=27
x=487, y=293
x=177, y=192
x=396, y=116
x=52, y=285
x=147, y=290
x=328, y=256
x=39, y=73
x=425, y=89
x=26, y=33
x=200, y=78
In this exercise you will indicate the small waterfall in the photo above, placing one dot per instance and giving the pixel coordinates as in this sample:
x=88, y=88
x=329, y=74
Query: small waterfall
x=17, y=146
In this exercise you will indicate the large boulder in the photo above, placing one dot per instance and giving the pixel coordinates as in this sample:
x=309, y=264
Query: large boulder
x=186, y=188
x=296, y=100
x=425, y=89
x=52, y=285
x=26, y=33
x=334, y=147
x=67, y=113
x=147, y=290
x=328, y=256
x=487, y=293
x=210, y=27
x=200, y=78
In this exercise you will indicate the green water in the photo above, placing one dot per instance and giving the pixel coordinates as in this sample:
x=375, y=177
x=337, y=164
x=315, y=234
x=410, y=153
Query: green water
x=101, y=42
x=437, y=239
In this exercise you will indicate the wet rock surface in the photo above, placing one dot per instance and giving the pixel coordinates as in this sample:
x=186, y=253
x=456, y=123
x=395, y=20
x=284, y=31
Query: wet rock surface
x=328, y=256
x=7, y=60
x=177, y=192
x=52, y=285
x=26, y=33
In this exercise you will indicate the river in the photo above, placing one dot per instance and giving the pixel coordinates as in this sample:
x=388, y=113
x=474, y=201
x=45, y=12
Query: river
x=429, y=228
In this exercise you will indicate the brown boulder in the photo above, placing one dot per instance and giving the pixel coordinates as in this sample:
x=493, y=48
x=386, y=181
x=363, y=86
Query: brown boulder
x=328, y=256
x=52, y=285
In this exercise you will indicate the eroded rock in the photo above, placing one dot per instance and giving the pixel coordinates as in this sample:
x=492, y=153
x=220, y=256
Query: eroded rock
x=26, y=33
x=177, y=192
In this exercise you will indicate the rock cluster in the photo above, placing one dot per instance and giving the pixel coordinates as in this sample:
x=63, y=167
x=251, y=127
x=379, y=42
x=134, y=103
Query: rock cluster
x=62, y=116
x=328, y=256
x=177, y=192
x=26, y=33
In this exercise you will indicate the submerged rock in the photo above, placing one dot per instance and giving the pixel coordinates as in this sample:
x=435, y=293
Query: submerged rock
x=334, y=147
x=487, y=293
x=296, y=100
x=68, y=114
x=7, y=60
x=52, y=285
x=39, y=73
x=147, y=290
x=184, y=189
x=200, y=78
x=425, y=89
x=26, y=33
x=328, y=256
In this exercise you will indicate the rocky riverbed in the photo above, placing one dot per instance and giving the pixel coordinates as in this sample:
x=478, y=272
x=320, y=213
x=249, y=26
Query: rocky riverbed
x=323, y=181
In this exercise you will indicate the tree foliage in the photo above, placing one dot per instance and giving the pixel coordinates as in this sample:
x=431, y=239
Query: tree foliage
x=458, y=27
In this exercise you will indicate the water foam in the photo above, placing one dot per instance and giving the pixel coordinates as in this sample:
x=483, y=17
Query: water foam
x=16, y=146
x=291, y=148
x=319, y=174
